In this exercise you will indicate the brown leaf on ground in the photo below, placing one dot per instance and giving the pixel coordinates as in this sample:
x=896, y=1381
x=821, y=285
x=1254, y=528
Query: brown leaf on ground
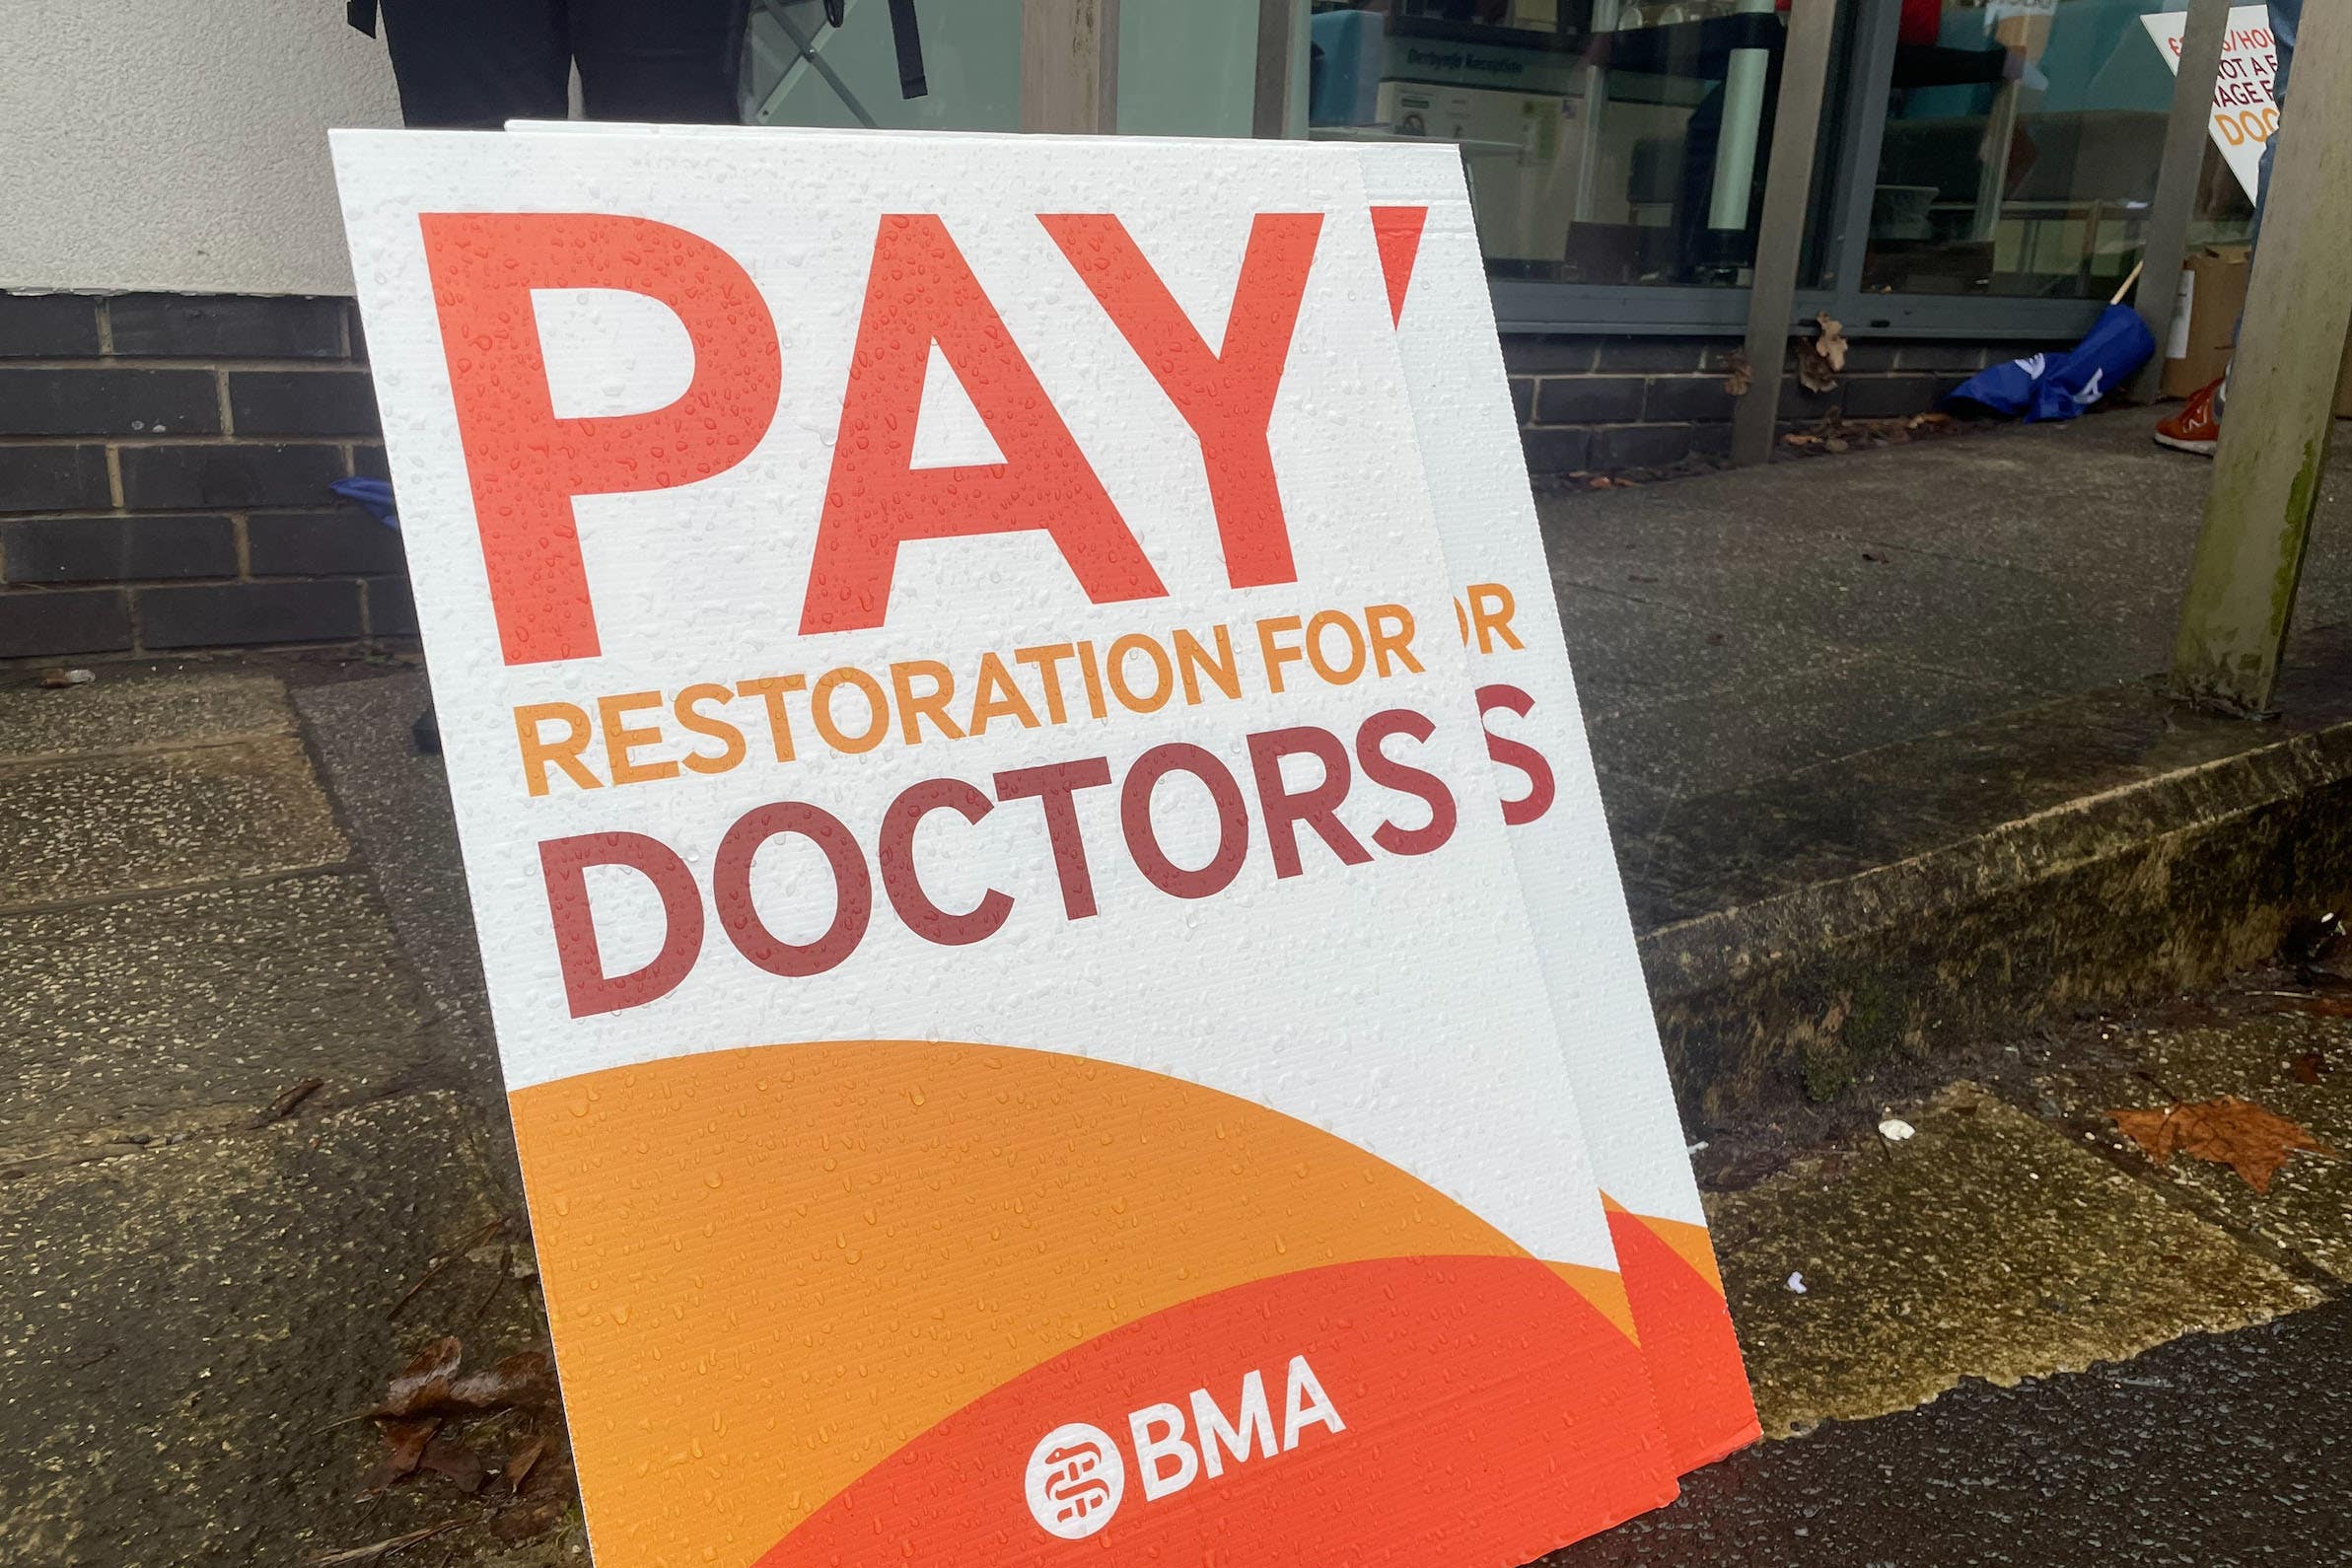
x=423, y=1386
x=2307, y=1067
x=404, y=1445
x=2323, y=1006
x=2238, y=1133
x=518, y=1468
x=432, y=1385
x=456, y=1461
x=524, y=1380
x=1738, y=374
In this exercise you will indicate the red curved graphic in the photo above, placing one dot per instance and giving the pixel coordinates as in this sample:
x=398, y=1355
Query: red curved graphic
x=1693, y=1356
x=1485, y=1414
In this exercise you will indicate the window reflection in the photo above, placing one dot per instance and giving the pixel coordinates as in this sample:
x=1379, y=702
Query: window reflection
x=1606, y=141
x=2021, y=147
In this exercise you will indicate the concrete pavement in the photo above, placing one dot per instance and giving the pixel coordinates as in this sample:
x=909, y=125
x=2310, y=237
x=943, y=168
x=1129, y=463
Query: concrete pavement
x=235, y=1136
x=2023, y=1342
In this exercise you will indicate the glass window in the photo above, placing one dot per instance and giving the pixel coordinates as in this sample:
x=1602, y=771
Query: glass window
x=799, y=71
x=1184, y=70
x=2023, y=140
x=1606, y=141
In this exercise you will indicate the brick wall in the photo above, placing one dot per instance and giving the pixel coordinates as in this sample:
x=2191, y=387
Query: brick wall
x=164, y=471
x=1608, y=405
x=165, y=458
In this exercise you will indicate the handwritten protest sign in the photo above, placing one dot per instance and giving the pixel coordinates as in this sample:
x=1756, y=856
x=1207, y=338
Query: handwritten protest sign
x=2245, y=113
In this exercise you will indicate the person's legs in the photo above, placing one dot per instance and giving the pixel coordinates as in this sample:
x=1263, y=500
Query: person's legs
x=674, y=62
x=475, y=64
x=2286, y=20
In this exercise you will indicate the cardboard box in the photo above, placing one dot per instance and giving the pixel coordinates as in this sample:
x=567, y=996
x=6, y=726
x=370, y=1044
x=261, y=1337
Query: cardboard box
x=2205, y=320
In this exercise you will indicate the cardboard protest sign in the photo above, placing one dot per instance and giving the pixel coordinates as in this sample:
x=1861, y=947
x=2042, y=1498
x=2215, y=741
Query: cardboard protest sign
x=2245, y=115
x=1024, y=1036
x=1519, y=658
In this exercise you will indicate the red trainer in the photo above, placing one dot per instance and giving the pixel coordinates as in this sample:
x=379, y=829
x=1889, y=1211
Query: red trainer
x=2197, y=426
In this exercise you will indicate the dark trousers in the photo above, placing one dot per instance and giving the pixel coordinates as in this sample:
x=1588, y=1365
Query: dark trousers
x=480, y=63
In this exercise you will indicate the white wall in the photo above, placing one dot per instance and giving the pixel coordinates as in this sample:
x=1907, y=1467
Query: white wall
x=178, y=144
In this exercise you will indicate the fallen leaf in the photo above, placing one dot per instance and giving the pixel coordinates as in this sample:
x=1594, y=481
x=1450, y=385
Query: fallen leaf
x=524, y=1380
x=2307, y=1067
x=2323, y=1006
x=518, y=1468
x=404, y=1445
x=1820, y=358
x=1831, y=344
x=378, y=1550
x=2238, y=1133
x=423, y=1386
x=59, y=680
x=1738, y=374
x=454, y=1460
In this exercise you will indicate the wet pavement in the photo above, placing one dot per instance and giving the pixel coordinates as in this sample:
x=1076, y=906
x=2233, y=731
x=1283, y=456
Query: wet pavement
x=2210, y=1451
x=245, y=1174
x=2019, y=1339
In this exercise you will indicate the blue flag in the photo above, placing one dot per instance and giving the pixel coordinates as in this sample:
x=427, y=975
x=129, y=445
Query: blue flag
x=2062, y=385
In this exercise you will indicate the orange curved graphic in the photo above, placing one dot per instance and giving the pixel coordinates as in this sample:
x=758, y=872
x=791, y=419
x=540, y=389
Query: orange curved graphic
x=1430, y=1453
x=769, y=1269
x=1688, y=1340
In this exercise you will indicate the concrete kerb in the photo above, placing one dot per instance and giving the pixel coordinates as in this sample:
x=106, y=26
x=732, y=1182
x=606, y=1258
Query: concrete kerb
x=2154, y=885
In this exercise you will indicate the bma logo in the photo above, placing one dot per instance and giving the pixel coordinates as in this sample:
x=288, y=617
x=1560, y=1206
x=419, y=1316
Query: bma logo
x=1077, y=1475
x=1075, y=1481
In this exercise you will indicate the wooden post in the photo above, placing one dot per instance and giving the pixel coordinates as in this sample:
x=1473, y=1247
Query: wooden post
x=2277, y=420
x=1780, y=233
x=1070, y=66
x=2186, y=131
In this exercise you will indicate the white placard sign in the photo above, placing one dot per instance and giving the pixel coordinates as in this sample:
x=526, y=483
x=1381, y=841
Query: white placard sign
x=1024, y=1034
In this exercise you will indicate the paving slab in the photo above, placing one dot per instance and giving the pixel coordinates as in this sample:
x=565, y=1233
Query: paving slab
x=184, y=1334
x=1630, y=652
x=1985, y=1247
x=103, y=827
x=2255, y=1045
x=147, y=1019
x=397, y=803
x=117, y=713
x=1771, y=727
x=2212, y=1451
